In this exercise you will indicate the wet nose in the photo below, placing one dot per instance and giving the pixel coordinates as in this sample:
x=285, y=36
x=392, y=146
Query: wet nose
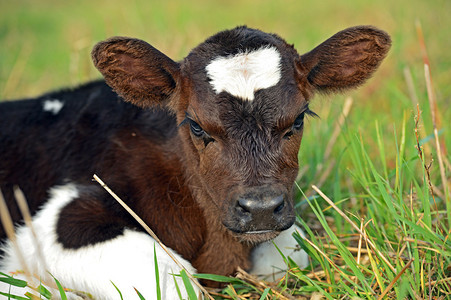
x=264, y=208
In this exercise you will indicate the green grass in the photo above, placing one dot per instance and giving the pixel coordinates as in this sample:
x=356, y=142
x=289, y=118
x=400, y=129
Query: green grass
x=374, y=173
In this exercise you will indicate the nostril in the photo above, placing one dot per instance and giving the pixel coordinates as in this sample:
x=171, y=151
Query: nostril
x=279, y=208
x=244, y=205
x=278, y=203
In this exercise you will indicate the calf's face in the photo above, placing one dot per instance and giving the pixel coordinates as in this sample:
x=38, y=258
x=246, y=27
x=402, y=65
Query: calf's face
x=240, y=99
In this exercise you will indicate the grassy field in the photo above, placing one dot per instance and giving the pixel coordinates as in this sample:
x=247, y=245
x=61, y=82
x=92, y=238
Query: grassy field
x=386, y=236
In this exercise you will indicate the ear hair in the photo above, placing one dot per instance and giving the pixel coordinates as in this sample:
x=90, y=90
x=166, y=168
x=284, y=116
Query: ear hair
x=137, y=71
x=345, y=60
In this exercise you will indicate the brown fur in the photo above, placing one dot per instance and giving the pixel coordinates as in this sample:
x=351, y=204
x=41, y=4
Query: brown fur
x=211, y=174
x=216, y=170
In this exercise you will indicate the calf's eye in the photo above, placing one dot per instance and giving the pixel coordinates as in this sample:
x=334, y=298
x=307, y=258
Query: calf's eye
x=299, y=122
x=297, y=125
x=196, y=129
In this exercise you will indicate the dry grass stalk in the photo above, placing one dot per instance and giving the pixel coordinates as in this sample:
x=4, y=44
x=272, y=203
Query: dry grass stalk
x=151, y=233
x=420, y=242
x=434, y=282
x=215, y=293
x=438, y=147
x=235, y=294
x=326, y=173
x=438, y=192
x=420, y=35
x=344, y=114
x=433, y=105
x=359, y=248
x=317, y=275
x=390, y=286
x=365, y=251
x=333, y=139
x=8, y=225
x=421, y=155
x=351, y=191
x=329, y=147
x=344, y=237
x=260, y=285
x=355, y=227
x=25, y=211
x=16, y=73
x=317, y=296
x=429, y=281
x=415, y=102
x=411, y=200
x=325, y=256
x=410, y=86
x=436, y=118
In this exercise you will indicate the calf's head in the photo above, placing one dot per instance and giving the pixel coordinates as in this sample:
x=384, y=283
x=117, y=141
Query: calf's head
x=240, y=99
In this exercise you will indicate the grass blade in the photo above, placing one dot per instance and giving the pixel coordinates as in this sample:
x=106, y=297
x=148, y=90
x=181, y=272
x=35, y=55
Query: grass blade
x=12, y=281
x=188, y=286
x=217, y=278
x=43, y=291
x=157, y=273
x=117, y=289
x=179, y=293
x=265, y=293
x=13, y=296
x=60, y=289
x=139, y=294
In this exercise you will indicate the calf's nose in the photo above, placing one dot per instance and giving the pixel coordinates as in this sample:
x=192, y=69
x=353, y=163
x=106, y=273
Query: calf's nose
x=264, y=208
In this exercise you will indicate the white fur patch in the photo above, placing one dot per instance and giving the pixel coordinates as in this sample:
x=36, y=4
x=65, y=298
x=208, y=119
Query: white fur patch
x=53, y=105
x=245, y=73
x=267, y=261
x=127, y=261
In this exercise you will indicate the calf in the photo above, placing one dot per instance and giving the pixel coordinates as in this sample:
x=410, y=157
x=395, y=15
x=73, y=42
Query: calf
x=204, y=150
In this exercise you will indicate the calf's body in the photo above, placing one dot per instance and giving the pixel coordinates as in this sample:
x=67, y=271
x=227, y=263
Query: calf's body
x=129, y=147
x=203, y=150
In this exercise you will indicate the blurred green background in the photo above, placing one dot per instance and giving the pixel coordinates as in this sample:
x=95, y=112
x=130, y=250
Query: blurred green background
x=45, y=44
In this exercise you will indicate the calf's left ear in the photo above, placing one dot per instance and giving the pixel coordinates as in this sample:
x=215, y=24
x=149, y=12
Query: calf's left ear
x=138, y=72
x=345, y=60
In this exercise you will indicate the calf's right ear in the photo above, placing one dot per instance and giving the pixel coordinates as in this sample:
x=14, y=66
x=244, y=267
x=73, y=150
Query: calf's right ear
x=345, y=60
x=138, y=72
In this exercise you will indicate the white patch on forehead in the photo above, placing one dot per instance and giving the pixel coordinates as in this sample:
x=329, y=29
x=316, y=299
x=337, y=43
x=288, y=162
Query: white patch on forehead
x=245, y=73
x=52, y=105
